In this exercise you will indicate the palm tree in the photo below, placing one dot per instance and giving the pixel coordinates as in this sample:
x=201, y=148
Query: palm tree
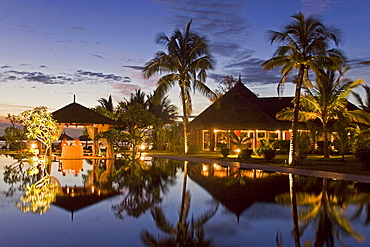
x=227, y=83
x=165, y=112
x=326, y=100
x=186, y=63
x=106, y=107
x=364, y=105
x=303, y=46
x=107, y=104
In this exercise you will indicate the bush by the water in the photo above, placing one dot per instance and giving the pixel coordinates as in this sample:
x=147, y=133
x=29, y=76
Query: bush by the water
x=225, y=152
x=245, y=154
x=194, y=149
x=362, y=152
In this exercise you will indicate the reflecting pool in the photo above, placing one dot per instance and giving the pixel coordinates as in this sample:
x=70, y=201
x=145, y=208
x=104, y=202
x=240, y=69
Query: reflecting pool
x=159, y=202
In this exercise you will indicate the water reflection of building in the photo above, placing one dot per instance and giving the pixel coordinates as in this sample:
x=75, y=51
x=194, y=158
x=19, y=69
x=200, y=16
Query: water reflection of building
x=216, y=170
x=224, y=184
x=95, y=189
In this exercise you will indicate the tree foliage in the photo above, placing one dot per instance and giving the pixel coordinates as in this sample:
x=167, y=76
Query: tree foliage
x=185, y=62
x=303, y=46
x=40, y=125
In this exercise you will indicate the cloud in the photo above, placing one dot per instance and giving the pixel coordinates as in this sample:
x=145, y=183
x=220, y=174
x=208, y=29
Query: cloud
x=252, y=71
x=218, y=20
x=98, y=56
x=226, y=28
x=133, y=67
x=108, y=77
x=35, y=76
x=63, y=41
x=316, y=6
x=125, y=89
x=77, y=76
x=25, y=27
x=78, y=29
x=6, y=67
x=356, y=63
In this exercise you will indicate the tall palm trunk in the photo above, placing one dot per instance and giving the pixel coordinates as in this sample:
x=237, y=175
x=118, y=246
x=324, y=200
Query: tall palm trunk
x=326, y=140
x=293, y=147
x=185, y=118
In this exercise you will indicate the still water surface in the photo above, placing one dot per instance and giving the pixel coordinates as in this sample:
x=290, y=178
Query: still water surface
x=109, y=203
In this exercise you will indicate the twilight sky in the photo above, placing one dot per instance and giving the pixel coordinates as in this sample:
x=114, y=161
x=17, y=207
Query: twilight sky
x=51, y=50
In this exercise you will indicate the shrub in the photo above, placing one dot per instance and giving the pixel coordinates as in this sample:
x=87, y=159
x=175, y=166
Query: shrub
x=320, y=147
x=266, y=149
x=220, y=146
x=269, y=154
x=194, y=149
x=225, y=152
x=302, y=147
x=245, y=154
x=281, y=146
x=362, y=152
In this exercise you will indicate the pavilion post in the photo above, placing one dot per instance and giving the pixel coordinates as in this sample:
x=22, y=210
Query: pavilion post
x=212, y=140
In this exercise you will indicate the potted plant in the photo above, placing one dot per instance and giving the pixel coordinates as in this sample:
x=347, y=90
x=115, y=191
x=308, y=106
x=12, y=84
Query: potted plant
x=266, y=149
x=225, y=152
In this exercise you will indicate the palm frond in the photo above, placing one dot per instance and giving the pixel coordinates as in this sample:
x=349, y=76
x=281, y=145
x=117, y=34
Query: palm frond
x=162, y=223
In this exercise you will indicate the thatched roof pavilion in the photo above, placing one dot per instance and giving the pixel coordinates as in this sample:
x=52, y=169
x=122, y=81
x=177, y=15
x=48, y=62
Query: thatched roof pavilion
x=75, y=114
x=240, y=109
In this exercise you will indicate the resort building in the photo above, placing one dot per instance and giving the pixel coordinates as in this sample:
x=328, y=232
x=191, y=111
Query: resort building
x=240, y=111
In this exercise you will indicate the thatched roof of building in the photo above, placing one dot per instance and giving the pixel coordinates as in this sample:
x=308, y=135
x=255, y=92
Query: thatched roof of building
x=240, y=109
x=76, y=114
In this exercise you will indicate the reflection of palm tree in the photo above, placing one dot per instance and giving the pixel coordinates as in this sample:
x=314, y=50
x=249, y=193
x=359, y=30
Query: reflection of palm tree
x=293, y=200
x=144, y=185
x=362, y=199
x=325, y=210
x=364, y=206
x=185, y=233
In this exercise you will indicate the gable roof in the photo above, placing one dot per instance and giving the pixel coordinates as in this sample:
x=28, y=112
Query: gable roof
x=76, y=114
x=239, y=109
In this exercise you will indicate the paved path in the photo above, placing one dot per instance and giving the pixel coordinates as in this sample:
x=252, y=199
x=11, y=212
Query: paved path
x=298, y=171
